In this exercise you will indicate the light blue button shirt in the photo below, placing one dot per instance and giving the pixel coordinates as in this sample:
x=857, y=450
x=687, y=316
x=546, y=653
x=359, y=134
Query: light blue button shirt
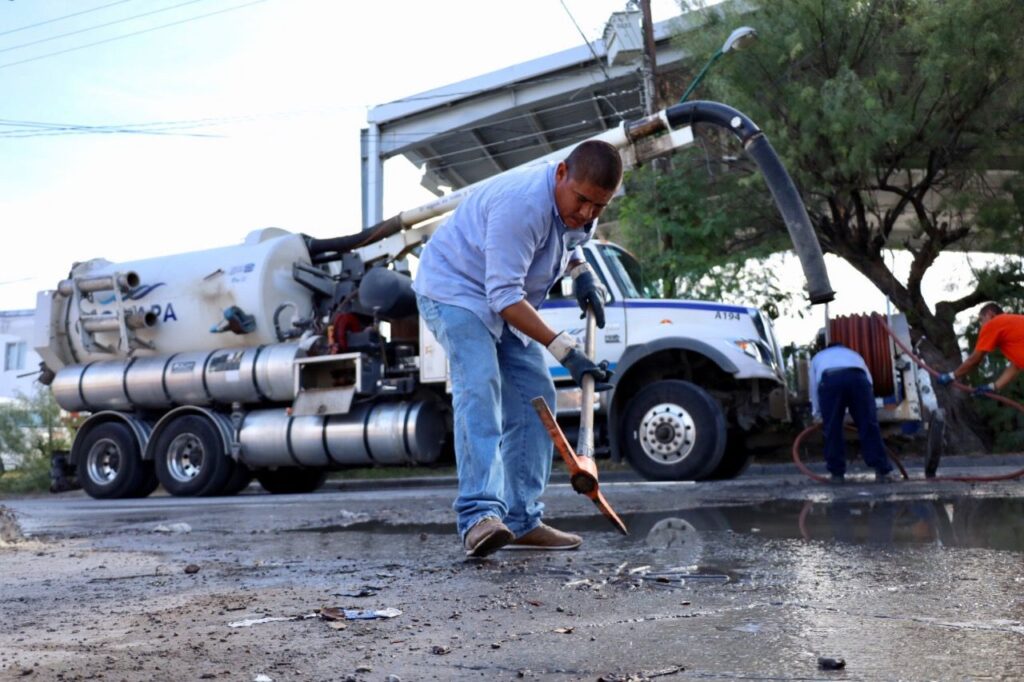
x=834, y=357
x=504, y=243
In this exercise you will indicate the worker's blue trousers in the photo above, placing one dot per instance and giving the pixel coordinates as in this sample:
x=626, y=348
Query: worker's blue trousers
x=502, y=449
x=849, y=389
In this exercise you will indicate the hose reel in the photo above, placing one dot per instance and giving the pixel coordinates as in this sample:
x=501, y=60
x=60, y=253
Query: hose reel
x=868, y=335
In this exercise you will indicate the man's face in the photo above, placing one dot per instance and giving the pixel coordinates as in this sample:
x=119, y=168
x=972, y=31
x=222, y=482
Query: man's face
x=985, y=318
x=578, y=202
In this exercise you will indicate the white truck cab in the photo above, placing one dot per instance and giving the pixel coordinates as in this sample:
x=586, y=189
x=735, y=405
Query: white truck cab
x=692, y=378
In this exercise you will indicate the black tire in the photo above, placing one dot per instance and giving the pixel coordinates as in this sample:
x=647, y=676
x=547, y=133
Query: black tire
x=674, y=431
x=189, y=458
x=109, y=463
x=240, y=479
x=934, y=445
x=735, y=460
x=291, y=480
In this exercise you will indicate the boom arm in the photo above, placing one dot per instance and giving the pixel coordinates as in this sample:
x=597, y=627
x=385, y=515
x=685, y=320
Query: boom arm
x=638, y=141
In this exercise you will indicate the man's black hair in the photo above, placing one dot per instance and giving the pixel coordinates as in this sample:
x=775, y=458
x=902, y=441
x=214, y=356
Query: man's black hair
x=595, y=162
x=992, y=308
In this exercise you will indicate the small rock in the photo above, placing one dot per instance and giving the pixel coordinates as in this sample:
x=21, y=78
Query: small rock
x=192, y=569
x=207, y=676
x=364, y=669
x=827, y=663
x=25, y=672
x=263, y=678
x=440, y=650
x=495, y=645
x=392, y=678
x=173, y=528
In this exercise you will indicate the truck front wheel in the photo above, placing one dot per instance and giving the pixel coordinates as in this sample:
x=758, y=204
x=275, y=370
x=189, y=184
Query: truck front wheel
x=674, y=431
x=110, y=465
x=190, y=459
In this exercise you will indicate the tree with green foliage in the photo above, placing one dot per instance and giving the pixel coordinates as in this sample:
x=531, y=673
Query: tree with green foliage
x=32, y=428
x=888, y=114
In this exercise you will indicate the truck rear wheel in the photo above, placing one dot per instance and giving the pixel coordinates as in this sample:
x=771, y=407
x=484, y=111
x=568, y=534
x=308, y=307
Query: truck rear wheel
x=110, y=464
x=291, y=480
x=674, y=431
x=190, y=459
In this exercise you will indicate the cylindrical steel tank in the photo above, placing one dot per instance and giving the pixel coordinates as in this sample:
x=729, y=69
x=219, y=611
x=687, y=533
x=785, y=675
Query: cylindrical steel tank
x=385, y=433
x=187, y=294
x=227, y=375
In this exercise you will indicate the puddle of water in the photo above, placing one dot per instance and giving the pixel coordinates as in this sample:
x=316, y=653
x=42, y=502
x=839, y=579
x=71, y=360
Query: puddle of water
x=989, y=523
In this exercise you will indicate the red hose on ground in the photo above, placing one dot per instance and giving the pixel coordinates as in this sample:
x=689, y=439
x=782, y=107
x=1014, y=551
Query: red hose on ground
x=920, y=363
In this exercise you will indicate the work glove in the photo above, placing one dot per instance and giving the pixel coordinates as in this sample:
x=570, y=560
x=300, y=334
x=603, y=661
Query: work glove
x=984, y=389
x=946, y=378
x=588, y=292
x=564, y=349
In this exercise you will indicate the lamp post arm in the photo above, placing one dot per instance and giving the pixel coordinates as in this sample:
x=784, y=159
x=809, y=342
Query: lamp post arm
x=700, y=76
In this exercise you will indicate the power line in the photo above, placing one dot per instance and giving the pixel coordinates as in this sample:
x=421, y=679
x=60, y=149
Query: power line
x=98, y=26
x=43, y=128
x=134, y=33
x=24, y=129
x=66, y=16
x=593, y=52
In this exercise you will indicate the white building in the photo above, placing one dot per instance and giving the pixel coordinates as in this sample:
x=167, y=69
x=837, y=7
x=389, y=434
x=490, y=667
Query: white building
x=20, y=361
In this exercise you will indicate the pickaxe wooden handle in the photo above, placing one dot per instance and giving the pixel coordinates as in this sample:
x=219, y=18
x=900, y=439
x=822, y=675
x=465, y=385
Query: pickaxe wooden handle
x=581, y=463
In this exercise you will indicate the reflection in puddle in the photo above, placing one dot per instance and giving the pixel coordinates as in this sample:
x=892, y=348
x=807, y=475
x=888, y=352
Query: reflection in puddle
x=992, y=523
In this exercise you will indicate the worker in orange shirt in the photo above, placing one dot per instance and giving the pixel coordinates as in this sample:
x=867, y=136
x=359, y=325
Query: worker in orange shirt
x=998, y=330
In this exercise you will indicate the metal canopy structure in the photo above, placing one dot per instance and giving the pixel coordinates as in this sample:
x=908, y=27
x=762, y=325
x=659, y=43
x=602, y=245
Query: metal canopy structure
x=468, y=131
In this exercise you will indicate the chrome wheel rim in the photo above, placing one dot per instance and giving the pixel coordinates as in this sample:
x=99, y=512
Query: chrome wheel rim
x=667, y=433
x=103, y=461
x=185, y=457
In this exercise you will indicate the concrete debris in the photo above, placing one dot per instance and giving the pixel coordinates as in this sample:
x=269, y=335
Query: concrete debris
x=367, y=591
x=175, y=528
x=334, y=613
x=642, y=676
x=249, y=622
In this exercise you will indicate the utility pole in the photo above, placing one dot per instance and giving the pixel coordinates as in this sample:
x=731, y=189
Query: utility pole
x=650, y=61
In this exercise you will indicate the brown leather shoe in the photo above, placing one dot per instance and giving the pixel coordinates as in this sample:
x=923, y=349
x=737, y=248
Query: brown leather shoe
x=486, y=536
x=546, y=538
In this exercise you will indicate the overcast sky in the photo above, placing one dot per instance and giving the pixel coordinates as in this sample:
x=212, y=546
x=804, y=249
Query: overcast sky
x=254, y=109
x=287, y=84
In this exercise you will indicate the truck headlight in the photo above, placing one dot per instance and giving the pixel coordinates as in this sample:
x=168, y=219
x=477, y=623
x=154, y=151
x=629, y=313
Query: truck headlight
x=750, y=347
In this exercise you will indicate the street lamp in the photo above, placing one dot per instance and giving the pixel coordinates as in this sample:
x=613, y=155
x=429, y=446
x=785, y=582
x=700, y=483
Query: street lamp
x=737, y=40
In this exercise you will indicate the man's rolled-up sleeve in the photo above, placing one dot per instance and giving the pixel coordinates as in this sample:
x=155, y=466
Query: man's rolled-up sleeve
x=509, y=247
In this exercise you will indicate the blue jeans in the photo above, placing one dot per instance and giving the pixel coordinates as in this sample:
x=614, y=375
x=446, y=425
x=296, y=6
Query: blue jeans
x=502, y=450
x=850, y=389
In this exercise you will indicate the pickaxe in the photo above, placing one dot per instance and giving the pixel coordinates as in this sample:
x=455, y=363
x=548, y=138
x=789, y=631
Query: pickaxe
x=581, y=464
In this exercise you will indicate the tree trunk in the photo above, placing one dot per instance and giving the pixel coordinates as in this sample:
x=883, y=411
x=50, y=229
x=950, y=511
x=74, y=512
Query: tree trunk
x=965, y=431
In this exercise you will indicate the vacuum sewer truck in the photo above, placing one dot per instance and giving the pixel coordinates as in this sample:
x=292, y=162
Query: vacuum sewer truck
x=287, y=356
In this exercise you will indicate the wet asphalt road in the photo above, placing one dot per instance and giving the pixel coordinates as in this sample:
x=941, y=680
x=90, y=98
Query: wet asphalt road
x=748, y=579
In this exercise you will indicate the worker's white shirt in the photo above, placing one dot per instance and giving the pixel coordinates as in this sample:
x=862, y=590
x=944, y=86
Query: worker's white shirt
x=835, y=357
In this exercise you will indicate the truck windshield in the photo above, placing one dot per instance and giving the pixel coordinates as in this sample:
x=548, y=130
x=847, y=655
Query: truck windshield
x=627, y=272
